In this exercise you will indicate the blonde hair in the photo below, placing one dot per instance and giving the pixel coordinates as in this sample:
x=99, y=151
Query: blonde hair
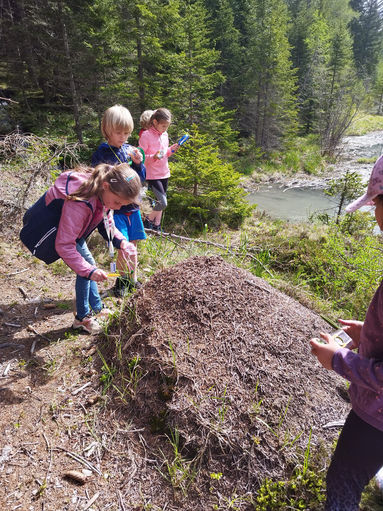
x=114, y=118
x=145, y=118
x=123, y=181
x=161, y=114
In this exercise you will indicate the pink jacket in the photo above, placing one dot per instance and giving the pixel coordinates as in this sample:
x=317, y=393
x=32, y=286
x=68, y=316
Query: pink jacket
x=151, y=142
x=78, y=220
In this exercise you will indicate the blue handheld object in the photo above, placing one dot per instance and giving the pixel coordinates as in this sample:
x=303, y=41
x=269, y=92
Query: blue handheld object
x=183, y=139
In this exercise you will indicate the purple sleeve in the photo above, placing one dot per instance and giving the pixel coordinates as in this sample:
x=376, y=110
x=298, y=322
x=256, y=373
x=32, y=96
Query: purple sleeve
x=364, y=372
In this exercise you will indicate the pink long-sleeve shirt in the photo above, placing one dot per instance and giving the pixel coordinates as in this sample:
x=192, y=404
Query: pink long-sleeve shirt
x=151, y=142
x=78, y=220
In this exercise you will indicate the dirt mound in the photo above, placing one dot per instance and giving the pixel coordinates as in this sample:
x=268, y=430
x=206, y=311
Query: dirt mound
x=222, y=359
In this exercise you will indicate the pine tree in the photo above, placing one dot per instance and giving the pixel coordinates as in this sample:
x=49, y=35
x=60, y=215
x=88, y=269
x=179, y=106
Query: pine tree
x=270, y=115
x=193, y=77
x=226, y=39
x=377, y=90
x=203, y=188
x=367, y=36
x=330, y=92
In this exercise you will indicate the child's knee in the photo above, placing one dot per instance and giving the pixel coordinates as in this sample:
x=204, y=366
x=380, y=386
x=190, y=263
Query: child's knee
x=163, y=202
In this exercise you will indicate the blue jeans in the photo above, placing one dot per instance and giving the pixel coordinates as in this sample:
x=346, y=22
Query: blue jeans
x=86, y=290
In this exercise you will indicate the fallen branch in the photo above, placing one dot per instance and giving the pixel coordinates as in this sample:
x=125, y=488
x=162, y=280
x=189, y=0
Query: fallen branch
x=16, y=272
x=74, y=392
x=91, y=501
x=23, y=292
x=82, y=460
x=8, y=99
x=11, y=345
x=31, y=329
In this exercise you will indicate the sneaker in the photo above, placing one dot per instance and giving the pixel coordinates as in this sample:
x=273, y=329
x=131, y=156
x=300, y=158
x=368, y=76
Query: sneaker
x=88, y=324
x=379, y=480
x=148, y=224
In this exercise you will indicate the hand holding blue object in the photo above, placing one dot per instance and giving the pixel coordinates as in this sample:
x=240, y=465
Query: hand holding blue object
x=182, y=140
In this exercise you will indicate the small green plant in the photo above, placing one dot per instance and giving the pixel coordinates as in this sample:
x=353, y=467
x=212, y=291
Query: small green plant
x=17, y=424
x=174, y=356
x=71, y=336
x=256, y=406
x=107, y=374
x=135, y=374
x=50, y=367
x=59, y=268
x=179, y=471
x=64, y=306
x=305, y=490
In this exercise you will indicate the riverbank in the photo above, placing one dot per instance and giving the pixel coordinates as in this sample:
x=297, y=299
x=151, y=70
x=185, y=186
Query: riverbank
x=296, y=197
x=353, y=150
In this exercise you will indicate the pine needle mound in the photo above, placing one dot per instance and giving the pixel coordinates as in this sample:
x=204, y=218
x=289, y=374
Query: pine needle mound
x=225, y=361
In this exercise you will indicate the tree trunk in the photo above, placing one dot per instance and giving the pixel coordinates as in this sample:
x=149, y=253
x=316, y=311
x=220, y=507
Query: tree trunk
x=140, y=67
x=75, y=101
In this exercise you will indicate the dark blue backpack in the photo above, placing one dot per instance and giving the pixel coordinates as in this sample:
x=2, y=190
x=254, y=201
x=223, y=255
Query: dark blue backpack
x=40, y=224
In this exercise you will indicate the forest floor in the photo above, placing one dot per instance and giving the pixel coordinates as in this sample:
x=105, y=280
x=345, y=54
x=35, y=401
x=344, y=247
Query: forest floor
x=201, y=387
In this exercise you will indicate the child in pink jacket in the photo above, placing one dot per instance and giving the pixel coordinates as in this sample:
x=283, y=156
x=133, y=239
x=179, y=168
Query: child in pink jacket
x=155, y=143
x=59, y=223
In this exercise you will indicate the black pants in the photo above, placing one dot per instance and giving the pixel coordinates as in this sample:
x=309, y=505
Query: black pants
x=159, y=187
x=357, y=458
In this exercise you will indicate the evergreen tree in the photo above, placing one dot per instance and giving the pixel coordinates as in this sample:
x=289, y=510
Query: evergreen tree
x=226, y=39
x=193, y=78
x=203, y=188
x=367, y=36
x=270, y=114
x=330, y=92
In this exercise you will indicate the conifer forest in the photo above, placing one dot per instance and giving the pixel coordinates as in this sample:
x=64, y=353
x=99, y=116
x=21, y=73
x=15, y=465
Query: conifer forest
x=261, y=71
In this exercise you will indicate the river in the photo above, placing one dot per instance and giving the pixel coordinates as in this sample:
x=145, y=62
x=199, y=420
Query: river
x=297, y=199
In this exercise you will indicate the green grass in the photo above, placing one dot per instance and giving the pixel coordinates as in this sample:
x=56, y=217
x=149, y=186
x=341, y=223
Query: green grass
x=302, y=154
x=365, y=123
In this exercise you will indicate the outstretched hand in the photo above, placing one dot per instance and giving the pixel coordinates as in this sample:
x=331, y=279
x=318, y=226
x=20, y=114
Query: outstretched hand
x=324, y=352
x=98, y=275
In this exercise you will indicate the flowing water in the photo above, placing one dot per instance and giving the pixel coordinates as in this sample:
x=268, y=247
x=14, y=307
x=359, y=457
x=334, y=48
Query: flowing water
x=294, y=204
x=298, y=201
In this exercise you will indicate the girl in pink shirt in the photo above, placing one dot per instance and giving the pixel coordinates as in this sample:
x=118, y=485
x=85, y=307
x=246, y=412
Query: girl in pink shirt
x=155, y=143
x=59, y=223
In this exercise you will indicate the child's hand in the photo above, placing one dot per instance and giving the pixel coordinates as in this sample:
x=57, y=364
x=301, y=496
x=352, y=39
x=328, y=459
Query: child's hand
x=98, y=275
x=128, y=248
x=174, y=148
x=136, y=156
x=159, y=155
x=353, y=329
x=324, y=352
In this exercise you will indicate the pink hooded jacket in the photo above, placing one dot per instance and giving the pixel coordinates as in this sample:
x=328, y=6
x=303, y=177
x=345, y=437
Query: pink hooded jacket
x=151, y=142
x=78, y=220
